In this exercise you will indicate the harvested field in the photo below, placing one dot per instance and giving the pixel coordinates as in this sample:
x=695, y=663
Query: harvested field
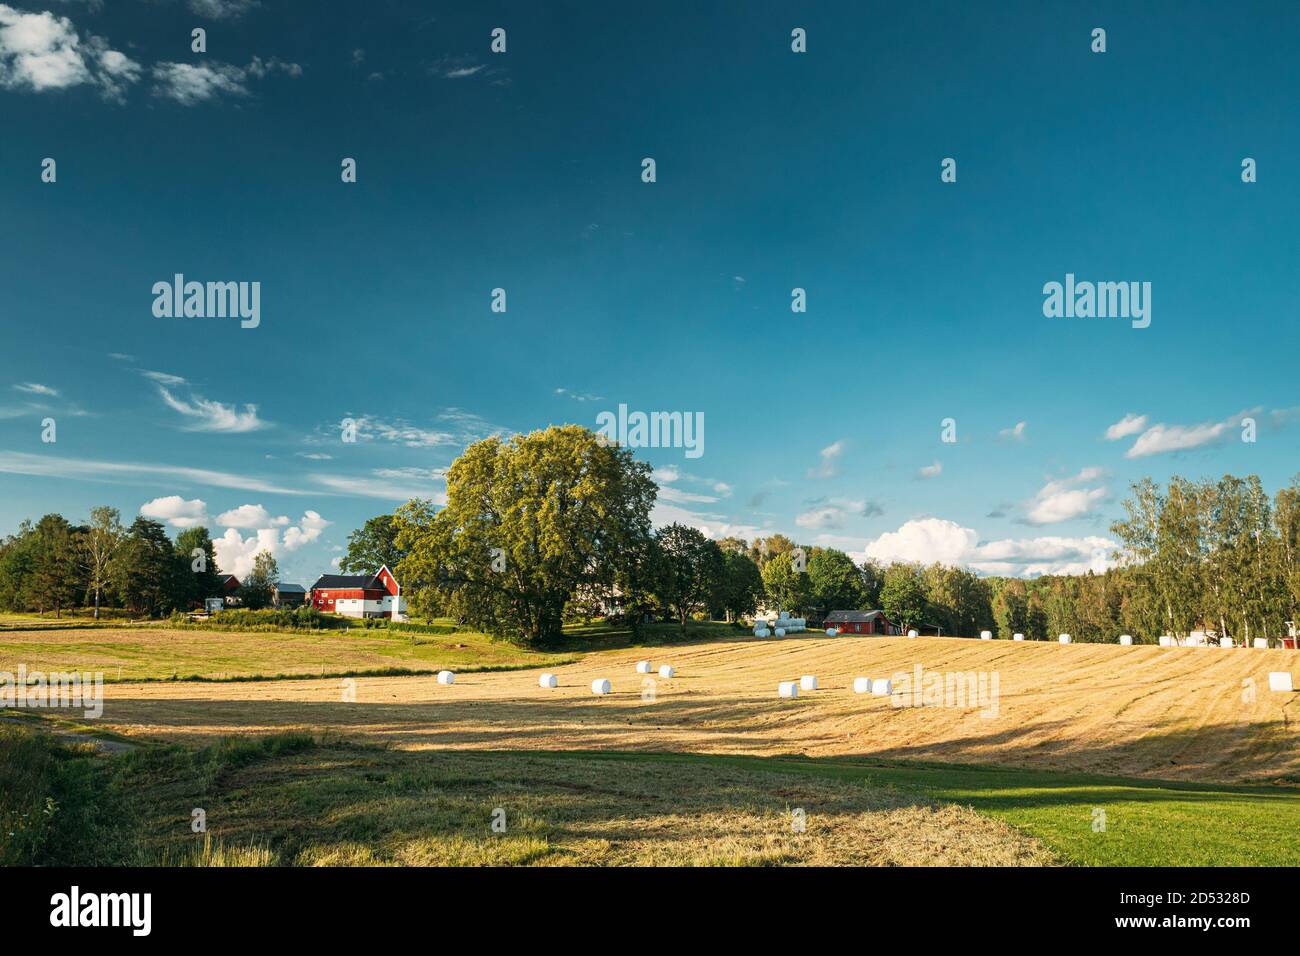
x=1170, y=713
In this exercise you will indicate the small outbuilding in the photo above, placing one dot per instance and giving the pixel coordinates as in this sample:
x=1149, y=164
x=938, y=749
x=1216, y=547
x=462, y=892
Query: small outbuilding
x=288, y=595
x=862, y=622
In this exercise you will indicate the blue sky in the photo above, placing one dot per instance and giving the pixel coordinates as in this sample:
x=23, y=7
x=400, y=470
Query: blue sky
x=522, y=171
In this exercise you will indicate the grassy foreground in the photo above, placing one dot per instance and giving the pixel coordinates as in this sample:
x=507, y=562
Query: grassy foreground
x=293, y=800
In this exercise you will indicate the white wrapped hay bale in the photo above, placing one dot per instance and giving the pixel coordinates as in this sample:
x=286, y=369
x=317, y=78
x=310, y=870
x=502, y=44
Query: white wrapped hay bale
x=882, y=687
x=667, y=670
x=808, y=682
x=1225, y=642
x=862, y=685
x=784, y=616
x=832, y=631
x=986, y=635
x=446, y=677
x=780, y=632
x=1166, y=640
x=644, y=667
x=762, y=632
x=913, y=634
x=1064, y=638
x=1261, y=642
x=601, y=686
x=1017, y=637
x=1126, y=639
x=1280, y=681
x=788, y=688
x=548, y=680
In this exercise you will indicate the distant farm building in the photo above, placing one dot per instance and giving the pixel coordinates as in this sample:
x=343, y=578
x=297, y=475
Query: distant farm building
x=359, y=595
x=288, y=595
x=230, y=589
x=862, y=622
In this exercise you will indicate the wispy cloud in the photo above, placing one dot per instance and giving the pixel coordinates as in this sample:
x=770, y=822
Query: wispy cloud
x=35, y=388
x=1015, y=433
x=830, y=456
x=1130, y=424
x=212, y=416
x=579, y=396
x=1162, y=438
x=85, y=469
x=932, y=470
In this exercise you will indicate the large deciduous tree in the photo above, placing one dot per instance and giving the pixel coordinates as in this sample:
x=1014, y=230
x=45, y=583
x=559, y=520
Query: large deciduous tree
x=528, y=522
x=372, y=546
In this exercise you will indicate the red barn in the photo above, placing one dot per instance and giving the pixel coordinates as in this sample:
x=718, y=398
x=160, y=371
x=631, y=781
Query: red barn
x=359, y=595
x=862, y=622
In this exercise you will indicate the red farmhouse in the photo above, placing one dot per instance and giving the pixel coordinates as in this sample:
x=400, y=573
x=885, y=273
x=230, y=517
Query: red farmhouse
x=359, y=595
x=862, y=622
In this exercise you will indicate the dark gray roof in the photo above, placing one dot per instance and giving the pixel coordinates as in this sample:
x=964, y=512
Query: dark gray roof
x=291, y=588
x=854, y=617
x=341, y=581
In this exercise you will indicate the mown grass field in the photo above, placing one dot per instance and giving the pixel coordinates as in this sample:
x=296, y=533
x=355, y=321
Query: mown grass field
x=154, y=651
x=1095, y=755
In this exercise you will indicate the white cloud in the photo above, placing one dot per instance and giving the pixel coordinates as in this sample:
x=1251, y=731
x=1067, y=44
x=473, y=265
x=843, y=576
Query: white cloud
x=1065, y=498
x=85, y=469
x=163, y=378
x=1130, y=424
x=245, y=516
x=191, y=83
x=928, y=540
x=669, y=493
x=578, y=396
x=222, y=9
x=176, y=511
x=1016, y=433
x=835, y=512
x=389, y=487
x=459, y=427
x=42, y=51
x=1162, y=438
x=829, y=457
x=930, y=471
x=305, y=532
x=213, y=416
x=235, y=553
x=35, y=388
x=666, y=473
x=925, y=540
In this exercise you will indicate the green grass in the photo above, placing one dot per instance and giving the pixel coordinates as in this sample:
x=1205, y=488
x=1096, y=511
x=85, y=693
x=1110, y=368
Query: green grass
x=1147, y=823
x=293, y=800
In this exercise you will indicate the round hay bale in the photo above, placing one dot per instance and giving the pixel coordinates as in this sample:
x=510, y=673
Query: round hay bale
x=832, y=631
x=601, y=686
x=446, y=677
x=667, y=670
x=787, y=688
x=1126, y=640
x=1017, y=637
x=862, y=685
x=548, y=680
x=644, y=667
x=780, y=632
x=913, y=634
x=808, y=682
x=986, y=635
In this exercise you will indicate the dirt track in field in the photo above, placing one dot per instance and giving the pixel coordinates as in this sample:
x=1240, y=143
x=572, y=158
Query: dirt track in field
x=1173, y=713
